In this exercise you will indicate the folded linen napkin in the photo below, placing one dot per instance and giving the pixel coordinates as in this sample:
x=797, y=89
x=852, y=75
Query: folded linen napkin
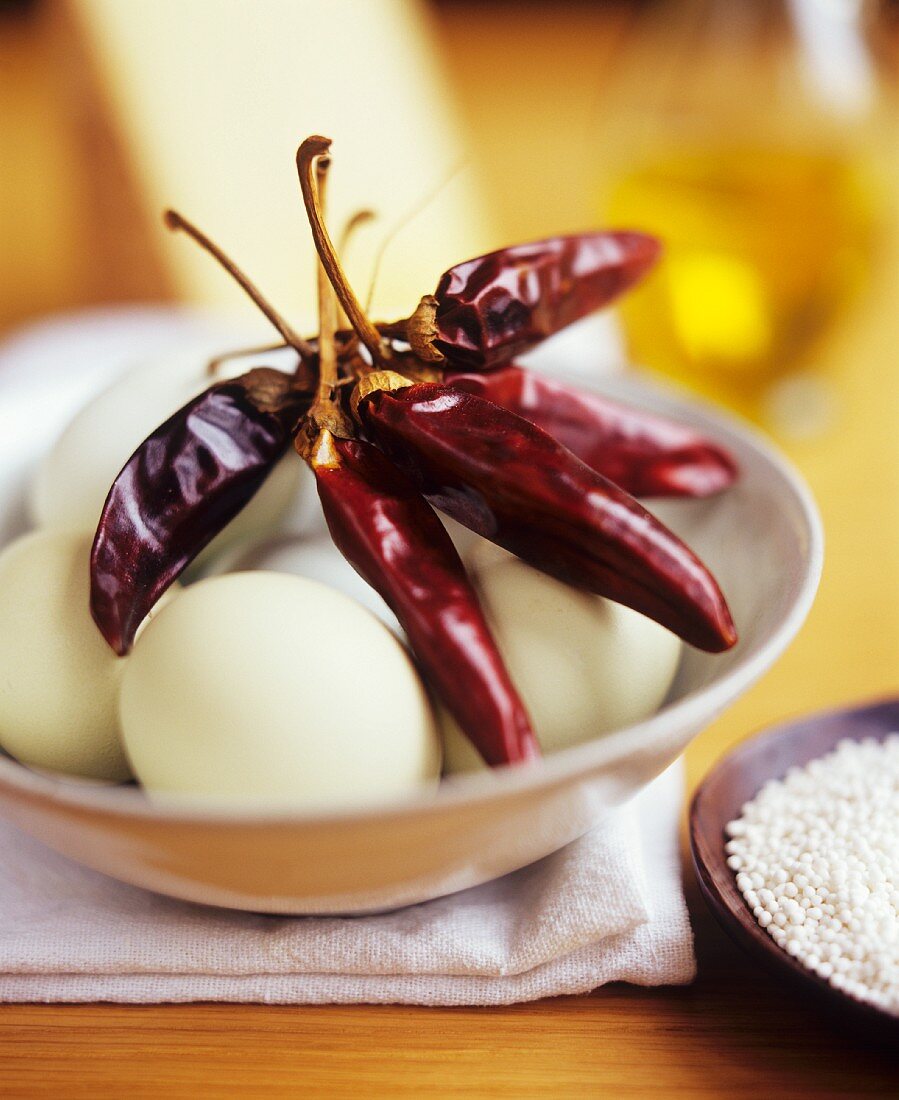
x=609, y=907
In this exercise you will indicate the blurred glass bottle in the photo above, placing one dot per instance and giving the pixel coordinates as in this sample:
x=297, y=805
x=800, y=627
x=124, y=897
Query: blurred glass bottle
x=741, y=133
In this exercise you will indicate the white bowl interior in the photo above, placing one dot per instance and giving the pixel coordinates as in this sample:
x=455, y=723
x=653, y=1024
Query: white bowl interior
x=762, y=539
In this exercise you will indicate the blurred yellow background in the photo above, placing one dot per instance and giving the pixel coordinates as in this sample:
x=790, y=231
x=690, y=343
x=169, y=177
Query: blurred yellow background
x=768, y=155
x=545, y=89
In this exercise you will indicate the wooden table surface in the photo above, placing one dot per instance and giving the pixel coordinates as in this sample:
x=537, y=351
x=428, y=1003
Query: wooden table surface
x=735, y=1031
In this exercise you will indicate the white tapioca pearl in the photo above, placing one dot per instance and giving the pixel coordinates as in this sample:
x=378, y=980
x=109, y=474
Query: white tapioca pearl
x=824, y=841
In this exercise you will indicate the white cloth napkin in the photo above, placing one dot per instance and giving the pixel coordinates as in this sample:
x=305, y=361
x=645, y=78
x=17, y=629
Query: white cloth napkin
x=609, y=907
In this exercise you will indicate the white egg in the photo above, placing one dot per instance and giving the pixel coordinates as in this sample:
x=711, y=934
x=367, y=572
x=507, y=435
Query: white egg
x=268, y=687
x=312, y=556
x=60, y=680
x=72, y=481
x=582, y=664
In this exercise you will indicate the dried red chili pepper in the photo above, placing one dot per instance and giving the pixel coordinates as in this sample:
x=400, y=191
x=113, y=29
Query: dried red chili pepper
x=644, y=454
x=181, y=487
x=509, y=481
x=389, y=534
x=392, y=538
x=487, y=310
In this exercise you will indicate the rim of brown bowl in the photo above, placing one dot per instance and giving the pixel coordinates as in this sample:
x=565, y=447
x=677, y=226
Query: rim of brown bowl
x=738, y=777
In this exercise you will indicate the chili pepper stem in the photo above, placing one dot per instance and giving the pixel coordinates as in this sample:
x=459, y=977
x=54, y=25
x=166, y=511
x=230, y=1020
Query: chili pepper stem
x=323, y=454
x=239, y=353
x=421, y=330
x=176, y=221
x=411, y=214
x=327, y=307
x=377, y=380
x=353, y=224
x=326, y=418
x=310, y=149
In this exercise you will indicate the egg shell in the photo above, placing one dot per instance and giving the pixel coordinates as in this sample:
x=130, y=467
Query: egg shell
x=269, y=688
x=60, y=680
x=583, y=665
x=312, y=556
x=310, y=552
x=73, y=479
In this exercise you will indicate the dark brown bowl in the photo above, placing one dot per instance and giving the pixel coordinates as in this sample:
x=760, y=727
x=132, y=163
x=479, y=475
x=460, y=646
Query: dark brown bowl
x=719, y=799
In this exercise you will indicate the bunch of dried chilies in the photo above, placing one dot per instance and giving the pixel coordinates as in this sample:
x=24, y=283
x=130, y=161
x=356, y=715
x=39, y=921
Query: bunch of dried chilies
x=430, y=411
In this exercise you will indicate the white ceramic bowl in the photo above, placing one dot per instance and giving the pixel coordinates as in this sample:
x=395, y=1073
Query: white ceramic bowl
x=762, y=539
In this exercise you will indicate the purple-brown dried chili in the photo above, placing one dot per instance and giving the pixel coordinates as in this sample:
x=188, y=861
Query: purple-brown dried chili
x=392, y=538
x=509, y=481
x=181, y=487
x=644, y=454
x=487, y=310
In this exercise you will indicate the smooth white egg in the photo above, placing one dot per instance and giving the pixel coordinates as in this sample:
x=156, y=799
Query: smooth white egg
x=73, y=479
x=313, y=556
x=60, y=680
x=265, y=687
x=582, y=664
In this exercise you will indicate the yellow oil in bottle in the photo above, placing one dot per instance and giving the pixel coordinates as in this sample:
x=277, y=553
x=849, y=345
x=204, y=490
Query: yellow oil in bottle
x=763, y=249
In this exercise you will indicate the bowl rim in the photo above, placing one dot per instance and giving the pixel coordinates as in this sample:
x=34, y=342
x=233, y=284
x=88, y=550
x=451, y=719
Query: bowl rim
x=506, y=782
x=717, y=883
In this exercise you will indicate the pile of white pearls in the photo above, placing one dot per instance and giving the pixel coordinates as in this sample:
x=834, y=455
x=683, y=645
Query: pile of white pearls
x=816, y=856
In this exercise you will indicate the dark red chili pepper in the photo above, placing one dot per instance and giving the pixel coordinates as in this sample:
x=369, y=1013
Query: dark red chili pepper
x=181, y=486
x=644, y=454
x=487, y=310
x=389, y=534
x=508, y=480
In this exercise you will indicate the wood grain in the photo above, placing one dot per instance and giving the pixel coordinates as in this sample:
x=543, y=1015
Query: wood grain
x=734, y=1032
